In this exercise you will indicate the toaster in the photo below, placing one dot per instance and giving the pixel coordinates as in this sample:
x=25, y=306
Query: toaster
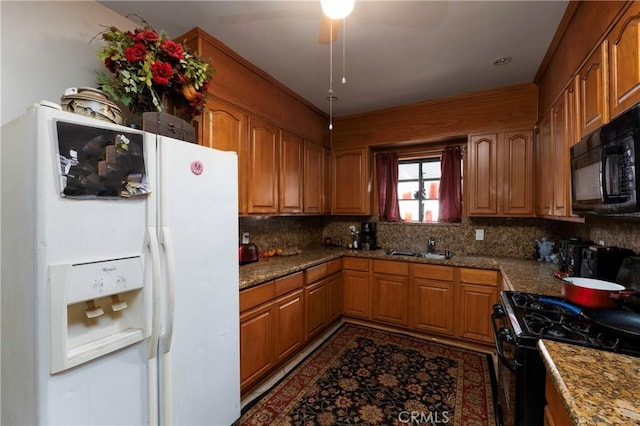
x=247, y=253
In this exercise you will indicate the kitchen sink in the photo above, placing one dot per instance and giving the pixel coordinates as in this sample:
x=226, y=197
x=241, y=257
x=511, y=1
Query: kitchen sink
x=437, y=256
x=402, y=253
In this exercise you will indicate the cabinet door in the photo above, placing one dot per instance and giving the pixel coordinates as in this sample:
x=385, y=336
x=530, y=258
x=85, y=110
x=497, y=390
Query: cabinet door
x=516, y=162
x=481, y=179
x=226, y=128
x=594, y=108
x=560, y=154
x=390, y=299
x=624, y=62
x=256, y=337
x=356, y=301
x=433, y=306
x=351, y=182
x=263, y=167
x=334, y=297
x=291, y=173
x=316, y=306
x=475, y=307
x=288, y=316
x=544, y=182
x=314, y=178
x=327, y=202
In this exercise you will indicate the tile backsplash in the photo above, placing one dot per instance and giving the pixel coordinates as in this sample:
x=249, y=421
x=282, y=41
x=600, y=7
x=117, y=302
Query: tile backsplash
x=503, y=237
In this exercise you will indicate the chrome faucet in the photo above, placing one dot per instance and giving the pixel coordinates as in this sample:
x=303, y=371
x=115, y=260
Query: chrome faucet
x=431, y=245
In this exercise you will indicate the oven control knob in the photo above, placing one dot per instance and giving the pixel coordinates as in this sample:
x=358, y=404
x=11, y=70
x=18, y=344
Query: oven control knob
x=498, y=311
x=506, y=335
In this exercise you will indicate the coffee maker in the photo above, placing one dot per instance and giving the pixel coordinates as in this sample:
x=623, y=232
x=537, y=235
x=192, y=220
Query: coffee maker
x=368, y=236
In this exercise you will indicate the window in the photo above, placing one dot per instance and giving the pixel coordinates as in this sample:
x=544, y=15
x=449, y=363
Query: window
x=418, y=183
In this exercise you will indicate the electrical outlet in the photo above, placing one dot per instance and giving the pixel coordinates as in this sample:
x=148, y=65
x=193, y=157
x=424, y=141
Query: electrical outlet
x=352, y=229
x=479, y=234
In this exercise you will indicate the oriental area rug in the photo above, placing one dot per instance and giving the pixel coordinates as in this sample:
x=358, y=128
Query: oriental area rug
x=364, y=376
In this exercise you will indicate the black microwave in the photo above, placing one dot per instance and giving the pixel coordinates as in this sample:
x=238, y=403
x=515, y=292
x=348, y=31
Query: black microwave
x=604, y=179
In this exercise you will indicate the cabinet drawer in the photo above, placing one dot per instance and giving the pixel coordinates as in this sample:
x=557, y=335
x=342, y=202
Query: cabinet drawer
x=257, y=295
x=334, y=266
x=391, y=267
x=356, y=264
x=479, y=276
x=315, y=273
x=434, y=272
x=288, y=283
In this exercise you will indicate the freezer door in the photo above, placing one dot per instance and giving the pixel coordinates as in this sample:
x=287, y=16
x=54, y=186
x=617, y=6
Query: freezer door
x=45, y=229
x=199, y=345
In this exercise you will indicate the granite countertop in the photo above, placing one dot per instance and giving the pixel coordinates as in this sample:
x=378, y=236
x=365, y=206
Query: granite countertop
x=525, y=275
x=597, y=387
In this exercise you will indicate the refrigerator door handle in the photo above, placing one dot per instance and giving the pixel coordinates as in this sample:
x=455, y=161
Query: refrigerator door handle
x=168, y=250
x=154, y=252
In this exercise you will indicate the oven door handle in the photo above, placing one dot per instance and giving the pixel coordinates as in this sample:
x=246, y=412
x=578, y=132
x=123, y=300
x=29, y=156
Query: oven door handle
x=501, y=334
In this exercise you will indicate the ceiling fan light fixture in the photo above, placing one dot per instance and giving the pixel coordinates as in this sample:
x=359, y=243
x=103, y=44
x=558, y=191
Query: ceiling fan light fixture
x=337, y=9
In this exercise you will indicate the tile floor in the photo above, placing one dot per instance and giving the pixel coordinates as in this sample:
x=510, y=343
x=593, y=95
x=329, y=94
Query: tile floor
x=282, y=371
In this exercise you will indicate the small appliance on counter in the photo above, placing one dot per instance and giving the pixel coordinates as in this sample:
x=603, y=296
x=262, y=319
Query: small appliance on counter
x=571, y=255
x=602, y=262
x=368, y=236
x=247, y=252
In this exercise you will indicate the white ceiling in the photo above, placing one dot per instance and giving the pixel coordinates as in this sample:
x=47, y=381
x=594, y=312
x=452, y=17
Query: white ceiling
x=397, y=52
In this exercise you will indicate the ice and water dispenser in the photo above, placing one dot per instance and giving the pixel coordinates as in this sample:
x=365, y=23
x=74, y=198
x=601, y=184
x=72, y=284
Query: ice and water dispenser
x=96, y=308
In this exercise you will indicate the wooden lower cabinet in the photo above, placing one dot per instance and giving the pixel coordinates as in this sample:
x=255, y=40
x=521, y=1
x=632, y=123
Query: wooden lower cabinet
x=334, y=297
x=433, y=294
x=288, y=313
x=477, y=293
x=316, y=307
x=554, y=413
x=390, y=292
x=256, y=338
x=356, y=290
x=278, y=318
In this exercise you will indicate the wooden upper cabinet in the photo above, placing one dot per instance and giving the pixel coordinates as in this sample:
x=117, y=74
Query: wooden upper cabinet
x=515, y=159
x=327, y=169
x=351, y=181
x=264, y=142
x=499, y=180
x=544, y=186
x=226, y=128
x=573, y=115
x=560, y=154
x=482, y=174
x=594, y=108
x=624, y=62
x=314, y=178
x=291, y=173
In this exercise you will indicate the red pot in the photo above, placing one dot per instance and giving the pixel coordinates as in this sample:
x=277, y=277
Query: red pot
x=593, y=293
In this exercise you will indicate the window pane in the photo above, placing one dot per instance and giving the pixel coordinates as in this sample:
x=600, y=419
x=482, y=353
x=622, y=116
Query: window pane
x=430, y=211
x=408, y=171
x=431, y=170
x=406, y=190
x=409, y=210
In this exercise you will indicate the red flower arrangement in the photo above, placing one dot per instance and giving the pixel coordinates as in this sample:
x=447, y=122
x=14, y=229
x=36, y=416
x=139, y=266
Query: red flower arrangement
x=146, y=67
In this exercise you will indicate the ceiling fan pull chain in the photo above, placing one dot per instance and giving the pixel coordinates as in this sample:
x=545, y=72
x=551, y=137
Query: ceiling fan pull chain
x=344, y=49
x=330, y=74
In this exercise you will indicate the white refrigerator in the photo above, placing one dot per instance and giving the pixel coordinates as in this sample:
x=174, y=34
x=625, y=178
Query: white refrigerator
x=119, y=276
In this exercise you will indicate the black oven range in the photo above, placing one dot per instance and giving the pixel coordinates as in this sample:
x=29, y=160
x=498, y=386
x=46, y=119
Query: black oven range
x=519, y=321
